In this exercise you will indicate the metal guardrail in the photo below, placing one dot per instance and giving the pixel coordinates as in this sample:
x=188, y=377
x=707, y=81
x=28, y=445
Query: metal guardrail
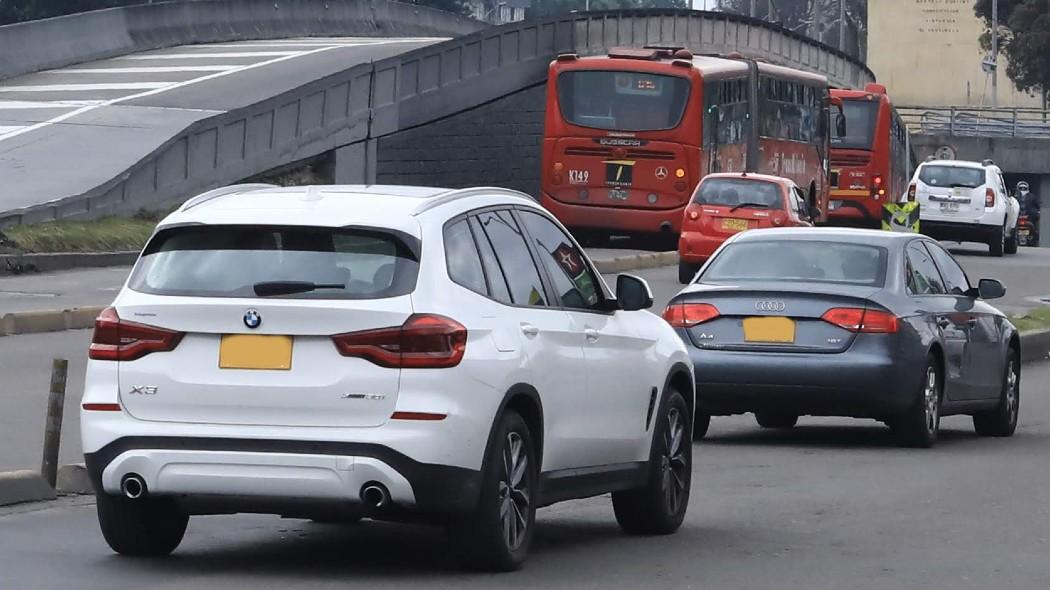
x=977, y=121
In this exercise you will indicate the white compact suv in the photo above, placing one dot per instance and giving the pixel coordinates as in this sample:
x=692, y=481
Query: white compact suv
x=966, y=202
x=390, y=352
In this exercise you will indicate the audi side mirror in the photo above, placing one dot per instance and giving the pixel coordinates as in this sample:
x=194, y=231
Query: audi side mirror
x=633, y=293
x=990, y=289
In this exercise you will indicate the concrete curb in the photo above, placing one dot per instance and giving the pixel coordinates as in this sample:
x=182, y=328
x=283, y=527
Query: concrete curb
x=53, y=320
x=1035, y=346
x=23, y=486
x=15, y=264
x=636, y=262
x=73, y=479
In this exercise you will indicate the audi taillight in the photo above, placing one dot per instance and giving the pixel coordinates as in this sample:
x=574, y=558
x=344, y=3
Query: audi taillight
x=911, y=192
x=989, y=197
x=119, y=340
x=860, y=320
x=424, y=341
x=686, y=315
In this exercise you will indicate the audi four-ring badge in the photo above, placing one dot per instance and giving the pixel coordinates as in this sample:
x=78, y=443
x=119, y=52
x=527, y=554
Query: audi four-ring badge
x=402, y=372
x=841, y=322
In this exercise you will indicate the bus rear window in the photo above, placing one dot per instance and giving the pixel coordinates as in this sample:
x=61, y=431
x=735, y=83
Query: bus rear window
x=860, y=125
x=622, y=101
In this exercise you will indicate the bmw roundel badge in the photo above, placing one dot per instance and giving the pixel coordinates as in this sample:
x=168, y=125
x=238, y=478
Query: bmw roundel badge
x=252, y=319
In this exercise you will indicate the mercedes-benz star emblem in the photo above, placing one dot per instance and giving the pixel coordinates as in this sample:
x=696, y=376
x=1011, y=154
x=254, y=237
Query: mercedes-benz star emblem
x=770, y=305
x=252, y=319
x=661, y=173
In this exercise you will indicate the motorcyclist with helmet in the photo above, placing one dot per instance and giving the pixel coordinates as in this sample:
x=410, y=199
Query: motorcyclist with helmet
x=1031, y=205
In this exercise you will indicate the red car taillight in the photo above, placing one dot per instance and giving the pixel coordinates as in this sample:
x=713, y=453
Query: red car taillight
x=687, y=315
x=424, y=341
x=989, y=197
x=911, y=192
x=119, y=340
x=867, y=321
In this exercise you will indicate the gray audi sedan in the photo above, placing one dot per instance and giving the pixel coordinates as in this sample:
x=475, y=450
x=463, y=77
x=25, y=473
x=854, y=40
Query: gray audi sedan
x=844, y=322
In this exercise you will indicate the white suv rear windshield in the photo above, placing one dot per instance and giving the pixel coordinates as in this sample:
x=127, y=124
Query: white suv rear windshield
x=275, y=261
x=952, y=176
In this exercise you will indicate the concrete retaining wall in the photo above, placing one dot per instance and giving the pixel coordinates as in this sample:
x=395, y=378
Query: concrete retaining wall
x=395, y=97
x=62, y=41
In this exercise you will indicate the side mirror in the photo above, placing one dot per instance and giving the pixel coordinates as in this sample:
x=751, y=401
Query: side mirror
x=814, y=212
x=633, y=293
x=990, y=289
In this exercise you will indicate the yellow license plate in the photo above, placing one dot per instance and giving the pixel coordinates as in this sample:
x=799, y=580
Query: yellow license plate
x=734, y=224
x=252, y=351
x=771, y=329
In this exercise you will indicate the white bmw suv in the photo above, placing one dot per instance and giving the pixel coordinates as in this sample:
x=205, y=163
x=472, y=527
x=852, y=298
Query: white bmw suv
x=966, y=202
x=385, y=352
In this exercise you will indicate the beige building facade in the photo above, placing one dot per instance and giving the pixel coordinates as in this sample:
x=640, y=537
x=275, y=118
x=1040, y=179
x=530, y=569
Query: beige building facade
x=928, y=53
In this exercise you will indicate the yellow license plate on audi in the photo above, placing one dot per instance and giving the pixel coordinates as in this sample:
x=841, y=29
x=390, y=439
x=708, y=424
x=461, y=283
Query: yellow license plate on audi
x=734, y=224
x=773, y=330
x=253, y=351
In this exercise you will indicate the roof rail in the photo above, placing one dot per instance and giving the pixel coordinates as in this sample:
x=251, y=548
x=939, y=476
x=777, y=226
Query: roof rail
x=455, y=195
x=222, y=192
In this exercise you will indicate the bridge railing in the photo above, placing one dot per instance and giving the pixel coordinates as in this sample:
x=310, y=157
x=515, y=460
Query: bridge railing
x=977, y=121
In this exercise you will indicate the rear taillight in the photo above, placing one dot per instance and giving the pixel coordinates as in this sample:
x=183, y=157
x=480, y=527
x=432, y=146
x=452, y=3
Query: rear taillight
x=911, y=192
x=119, y=340
x=687, y=315
x=424, y=341
x=779, y=219
x=989, y=197
x=867, y=321
x=877, y=188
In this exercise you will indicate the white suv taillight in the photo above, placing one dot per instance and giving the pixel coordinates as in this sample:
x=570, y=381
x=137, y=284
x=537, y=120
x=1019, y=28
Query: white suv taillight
x=118, y=340
x=424, y=341
x=911, y=192
x=989, y=197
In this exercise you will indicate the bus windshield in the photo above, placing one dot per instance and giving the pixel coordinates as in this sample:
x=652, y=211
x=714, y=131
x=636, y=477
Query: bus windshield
x=860, y=125
x=622, y=101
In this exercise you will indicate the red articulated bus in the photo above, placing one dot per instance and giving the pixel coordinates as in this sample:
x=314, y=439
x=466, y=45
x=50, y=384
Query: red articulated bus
x=629, y=135
x=872, y=163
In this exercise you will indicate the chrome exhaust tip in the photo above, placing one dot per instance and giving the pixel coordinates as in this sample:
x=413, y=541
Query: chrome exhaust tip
x=133, y=486
x=375, y=495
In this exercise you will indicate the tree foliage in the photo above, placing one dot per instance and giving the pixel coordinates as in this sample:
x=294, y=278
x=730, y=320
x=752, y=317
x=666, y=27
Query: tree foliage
x=1024, y=39
x=816, y=19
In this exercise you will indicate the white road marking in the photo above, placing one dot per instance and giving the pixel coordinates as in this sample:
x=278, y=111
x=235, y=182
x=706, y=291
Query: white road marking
x=87, y=87
x=144, y=70
x=213, y=55
x=92, y=105
x=22, y=104
x=9, y=128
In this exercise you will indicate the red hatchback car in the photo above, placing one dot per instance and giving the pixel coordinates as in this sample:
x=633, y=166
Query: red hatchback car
x=725, y=204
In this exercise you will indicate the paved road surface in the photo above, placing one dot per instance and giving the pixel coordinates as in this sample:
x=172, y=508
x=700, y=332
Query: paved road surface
x=66, y=131
x=830, y=504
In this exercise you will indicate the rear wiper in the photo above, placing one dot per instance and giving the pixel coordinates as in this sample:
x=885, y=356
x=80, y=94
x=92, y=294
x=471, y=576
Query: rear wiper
x=750, y=205
x=272, y=288
x=960, y=185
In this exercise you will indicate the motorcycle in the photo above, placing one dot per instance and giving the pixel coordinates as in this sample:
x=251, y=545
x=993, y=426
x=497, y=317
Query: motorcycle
x=1027, y=232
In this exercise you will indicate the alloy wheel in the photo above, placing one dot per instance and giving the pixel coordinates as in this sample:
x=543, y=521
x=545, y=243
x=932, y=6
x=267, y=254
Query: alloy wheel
x=673, y=462
x=514, y=493
x=1011, y=390
x=932, y=399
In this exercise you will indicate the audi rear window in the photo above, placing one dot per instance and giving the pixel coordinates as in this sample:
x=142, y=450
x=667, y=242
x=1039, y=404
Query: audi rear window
x=808, y=261
x=952, y=176
x=233, y=261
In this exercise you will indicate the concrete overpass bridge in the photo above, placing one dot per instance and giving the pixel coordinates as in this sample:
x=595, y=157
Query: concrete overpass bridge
x=113, y=111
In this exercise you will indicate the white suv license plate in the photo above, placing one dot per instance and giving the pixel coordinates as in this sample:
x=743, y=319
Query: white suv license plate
x=949, y=207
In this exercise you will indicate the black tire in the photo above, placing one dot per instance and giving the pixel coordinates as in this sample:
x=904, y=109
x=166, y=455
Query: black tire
x=659, y=508
x=997, y=242
x=146, y=527
x=701, y=423
x=489, y=539
x=918, y=426
x=686, y=271
x=1010, y=246
x=776, y=419
x=1002, y=421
